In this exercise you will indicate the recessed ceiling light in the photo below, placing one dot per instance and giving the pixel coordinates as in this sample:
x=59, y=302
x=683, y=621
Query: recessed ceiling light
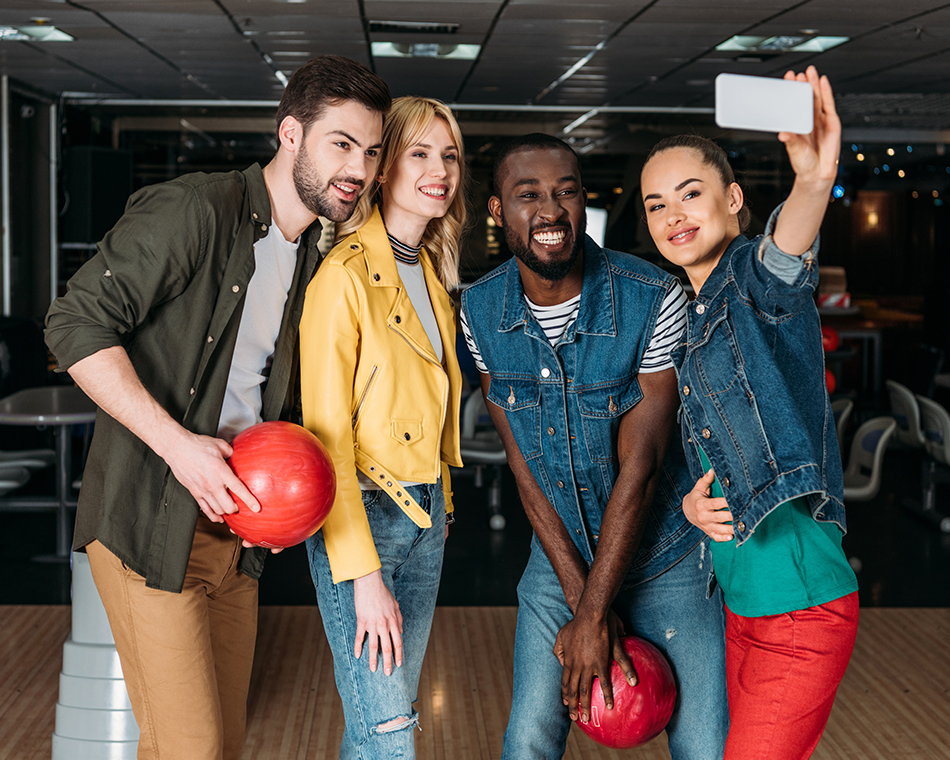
x=424, y=50
x=783, y=43
x=39, y=33
x=412, y=27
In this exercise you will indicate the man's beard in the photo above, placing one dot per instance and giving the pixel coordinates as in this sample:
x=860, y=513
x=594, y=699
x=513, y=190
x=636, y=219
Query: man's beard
x=552, y=271
x=314, y=192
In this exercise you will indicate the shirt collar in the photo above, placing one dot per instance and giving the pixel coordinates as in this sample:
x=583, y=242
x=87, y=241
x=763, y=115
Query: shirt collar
x=596, y=315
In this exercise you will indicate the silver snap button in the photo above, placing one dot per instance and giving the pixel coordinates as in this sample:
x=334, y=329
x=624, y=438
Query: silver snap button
x=706, y=433
x=545, y=372
x=550, y=431
x=254, y=215
x=191, y=392
x=107, y=273
x=560, y=484
x=210, y=339
x=726, y=482
x=263, y=228
x=700, y=308
x=685, y=390
x=235, y=288
x=741, y=526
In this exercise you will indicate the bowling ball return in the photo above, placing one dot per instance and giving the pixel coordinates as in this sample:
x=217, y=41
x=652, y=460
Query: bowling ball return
x=640, y=712
x=290, y=473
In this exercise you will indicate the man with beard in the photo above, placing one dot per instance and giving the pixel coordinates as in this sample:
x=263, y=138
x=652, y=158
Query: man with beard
x=183, y=329
x=573, y=343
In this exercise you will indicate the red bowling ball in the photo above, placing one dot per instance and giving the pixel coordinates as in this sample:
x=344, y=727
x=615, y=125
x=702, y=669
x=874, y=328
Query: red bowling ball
x=830, y=381
x=830, y=339
x=290, y=473
x=640, y=712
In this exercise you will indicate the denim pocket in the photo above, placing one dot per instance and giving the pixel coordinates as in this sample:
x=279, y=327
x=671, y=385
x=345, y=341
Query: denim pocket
x=371, y=498
x=717, y=359
x=601, y=409
x=521, y=400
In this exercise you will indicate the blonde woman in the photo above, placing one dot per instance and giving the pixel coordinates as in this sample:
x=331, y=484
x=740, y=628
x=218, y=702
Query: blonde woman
x=380, y=383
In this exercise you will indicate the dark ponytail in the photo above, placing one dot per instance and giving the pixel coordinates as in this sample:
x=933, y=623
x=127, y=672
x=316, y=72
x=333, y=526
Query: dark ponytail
x=711, y=155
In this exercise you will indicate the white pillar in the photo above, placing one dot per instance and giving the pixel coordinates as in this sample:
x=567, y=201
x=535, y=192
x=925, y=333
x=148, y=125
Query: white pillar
x=94, y=719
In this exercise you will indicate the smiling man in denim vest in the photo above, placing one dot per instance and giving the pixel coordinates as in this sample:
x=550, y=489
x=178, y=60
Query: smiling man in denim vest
x=573, y=344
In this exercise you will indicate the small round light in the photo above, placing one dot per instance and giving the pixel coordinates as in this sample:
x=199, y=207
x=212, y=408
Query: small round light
x=900, y=173
x=890, y=151
x=860, y=156
x=837, y=191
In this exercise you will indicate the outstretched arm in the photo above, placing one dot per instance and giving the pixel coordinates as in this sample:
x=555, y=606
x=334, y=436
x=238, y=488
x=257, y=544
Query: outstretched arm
x=588, y=641
x=814, y=158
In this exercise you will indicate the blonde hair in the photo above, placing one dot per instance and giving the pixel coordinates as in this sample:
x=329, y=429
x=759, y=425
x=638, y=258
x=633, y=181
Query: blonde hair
x=408, y=120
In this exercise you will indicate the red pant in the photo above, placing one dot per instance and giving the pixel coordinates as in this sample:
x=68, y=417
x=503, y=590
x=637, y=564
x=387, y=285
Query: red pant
x=783, y=672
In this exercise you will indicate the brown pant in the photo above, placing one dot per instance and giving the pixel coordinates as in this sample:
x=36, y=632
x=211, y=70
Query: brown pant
x=186, y=657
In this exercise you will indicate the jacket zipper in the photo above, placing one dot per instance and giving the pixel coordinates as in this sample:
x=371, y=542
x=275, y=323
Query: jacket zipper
x=359, y=406
x=445, y=395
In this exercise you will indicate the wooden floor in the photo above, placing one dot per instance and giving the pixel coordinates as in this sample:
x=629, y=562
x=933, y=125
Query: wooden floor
x=894, y=702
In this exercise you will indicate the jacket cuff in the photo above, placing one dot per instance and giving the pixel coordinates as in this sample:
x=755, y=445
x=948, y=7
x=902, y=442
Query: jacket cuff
x=785, y=266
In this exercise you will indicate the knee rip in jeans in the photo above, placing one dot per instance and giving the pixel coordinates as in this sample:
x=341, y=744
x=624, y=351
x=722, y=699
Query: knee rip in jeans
x=397, y=724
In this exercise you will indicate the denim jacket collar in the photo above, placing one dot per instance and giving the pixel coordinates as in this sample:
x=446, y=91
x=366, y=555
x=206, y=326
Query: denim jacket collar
x=594, y=317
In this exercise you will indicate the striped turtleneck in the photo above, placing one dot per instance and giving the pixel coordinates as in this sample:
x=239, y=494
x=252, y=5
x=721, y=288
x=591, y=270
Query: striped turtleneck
x=405, y=254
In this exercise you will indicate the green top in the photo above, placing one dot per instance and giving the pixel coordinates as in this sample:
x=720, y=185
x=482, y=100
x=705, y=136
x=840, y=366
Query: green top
x=168, y=284
x=790, y=562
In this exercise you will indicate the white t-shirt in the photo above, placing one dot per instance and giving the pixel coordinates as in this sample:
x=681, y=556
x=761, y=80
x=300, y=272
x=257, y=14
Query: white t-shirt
x=275, y=260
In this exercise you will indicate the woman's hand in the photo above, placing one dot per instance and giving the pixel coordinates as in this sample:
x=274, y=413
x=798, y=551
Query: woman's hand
x=814, y=157
x=711, y=516
x=379, y=618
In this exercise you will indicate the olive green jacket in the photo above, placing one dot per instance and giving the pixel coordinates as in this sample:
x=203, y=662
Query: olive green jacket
x=168, y=284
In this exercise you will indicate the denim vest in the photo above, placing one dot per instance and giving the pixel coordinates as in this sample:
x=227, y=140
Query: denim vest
x=752, y=383
x=564, y=404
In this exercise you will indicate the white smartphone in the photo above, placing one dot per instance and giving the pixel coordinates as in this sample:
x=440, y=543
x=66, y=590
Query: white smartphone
x=764, y=104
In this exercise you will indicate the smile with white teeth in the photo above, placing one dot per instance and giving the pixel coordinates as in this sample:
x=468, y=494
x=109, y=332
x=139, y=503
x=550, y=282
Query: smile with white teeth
x=682, y=234
x=550, y=237
x=435, y=192
x=348, y=189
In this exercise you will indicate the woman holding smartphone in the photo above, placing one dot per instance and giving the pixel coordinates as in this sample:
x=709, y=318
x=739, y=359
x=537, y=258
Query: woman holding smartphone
x=758, y=429
x=381, y=388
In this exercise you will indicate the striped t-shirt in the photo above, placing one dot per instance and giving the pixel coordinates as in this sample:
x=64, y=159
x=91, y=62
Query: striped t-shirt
x=555, y=320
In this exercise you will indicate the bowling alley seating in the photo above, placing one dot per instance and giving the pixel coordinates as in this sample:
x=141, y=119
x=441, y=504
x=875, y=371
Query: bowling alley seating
x=935, y=423
x=906, y=413
x=862, y=478
x=842, y=408
x=12, y=478
x=482, y=447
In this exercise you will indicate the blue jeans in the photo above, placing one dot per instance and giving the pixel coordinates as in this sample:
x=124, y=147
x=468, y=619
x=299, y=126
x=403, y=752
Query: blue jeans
x=671, y=611
x=411, y=560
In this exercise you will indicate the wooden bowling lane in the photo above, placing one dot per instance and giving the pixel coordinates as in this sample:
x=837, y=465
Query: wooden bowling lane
x=894, y=701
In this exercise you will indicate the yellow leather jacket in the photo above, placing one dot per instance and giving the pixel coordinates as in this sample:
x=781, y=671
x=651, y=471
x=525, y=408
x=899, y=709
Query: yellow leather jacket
x=373, y=390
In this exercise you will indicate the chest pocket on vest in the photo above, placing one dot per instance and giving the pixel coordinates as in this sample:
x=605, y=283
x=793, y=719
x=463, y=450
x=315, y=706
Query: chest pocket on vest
x=718, y=363
x=521, y=401
x=601, y=410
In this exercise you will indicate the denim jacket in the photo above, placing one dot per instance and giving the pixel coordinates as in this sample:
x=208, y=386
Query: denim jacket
x=752, y=383
x=564, y=404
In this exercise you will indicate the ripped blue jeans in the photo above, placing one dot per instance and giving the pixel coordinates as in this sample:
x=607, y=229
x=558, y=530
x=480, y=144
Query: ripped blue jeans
x=671, y=611
x=411, y=559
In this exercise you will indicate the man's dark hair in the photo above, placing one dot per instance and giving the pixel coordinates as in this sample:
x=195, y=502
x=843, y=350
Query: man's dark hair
x=329, y=80
x=525, y=142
